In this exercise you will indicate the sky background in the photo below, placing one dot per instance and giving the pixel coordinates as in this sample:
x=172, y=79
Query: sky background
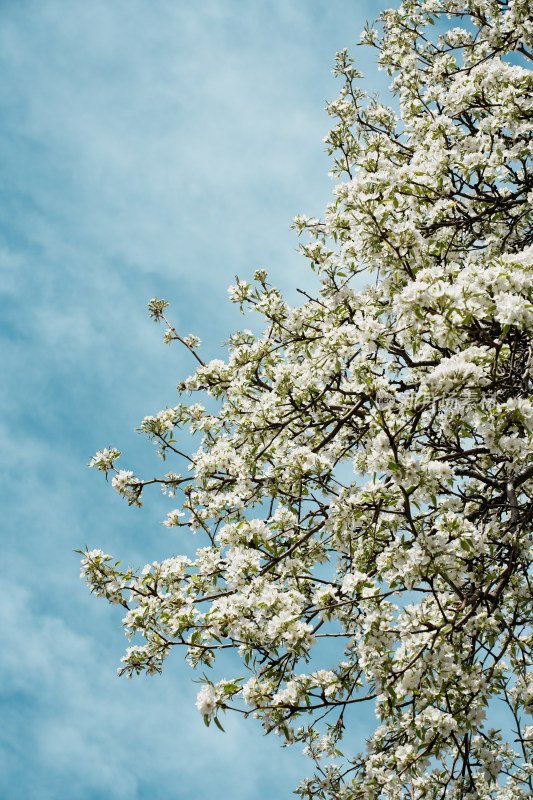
x=148, y=147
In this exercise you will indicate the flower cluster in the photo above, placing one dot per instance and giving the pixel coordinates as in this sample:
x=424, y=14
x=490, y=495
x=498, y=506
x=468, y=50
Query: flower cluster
x=363, y=478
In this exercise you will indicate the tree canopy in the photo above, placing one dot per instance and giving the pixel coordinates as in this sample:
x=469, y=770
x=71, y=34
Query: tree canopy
x=363, y=485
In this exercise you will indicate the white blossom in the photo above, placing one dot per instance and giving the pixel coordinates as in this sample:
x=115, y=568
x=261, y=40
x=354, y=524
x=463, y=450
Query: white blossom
x=360, y=475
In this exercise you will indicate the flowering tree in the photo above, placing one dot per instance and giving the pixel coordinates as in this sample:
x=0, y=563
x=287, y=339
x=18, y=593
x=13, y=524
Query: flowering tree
x=365, y=481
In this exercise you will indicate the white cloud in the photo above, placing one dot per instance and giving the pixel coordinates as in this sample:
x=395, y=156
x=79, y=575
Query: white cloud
x=150, y=148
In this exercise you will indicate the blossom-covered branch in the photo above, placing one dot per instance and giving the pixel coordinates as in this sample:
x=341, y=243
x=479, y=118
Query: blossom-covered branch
x=366, y=479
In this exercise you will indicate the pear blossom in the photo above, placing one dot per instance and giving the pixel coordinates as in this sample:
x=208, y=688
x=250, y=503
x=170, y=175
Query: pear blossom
x=359, y=481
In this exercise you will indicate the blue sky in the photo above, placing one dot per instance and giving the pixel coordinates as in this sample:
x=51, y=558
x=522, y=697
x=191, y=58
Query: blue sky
x=149, y=147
